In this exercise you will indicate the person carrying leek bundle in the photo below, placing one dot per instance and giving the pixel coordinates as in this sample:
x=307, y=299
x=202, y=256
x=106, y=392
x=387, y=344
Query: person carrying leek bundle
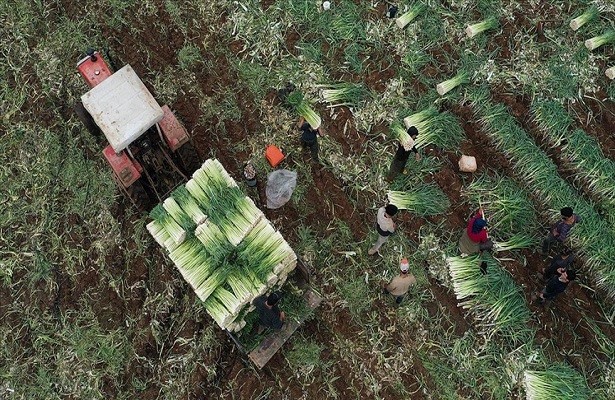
x=269, y=315
x=558, y=233
x=309, y=137
x=399, y=285
x=384, y=225
x=474, y=238
x=402, y=154
x=560, y=264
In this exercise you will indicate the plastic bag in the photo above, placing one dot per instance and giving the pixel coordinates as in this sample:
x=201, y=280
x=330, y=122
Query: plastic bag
x=280, y=187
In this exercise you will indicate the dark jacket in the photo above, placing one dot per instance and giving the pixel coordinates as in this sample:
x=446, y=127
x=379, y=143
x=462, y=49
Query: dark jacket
x=308, y=134
x=269, y=317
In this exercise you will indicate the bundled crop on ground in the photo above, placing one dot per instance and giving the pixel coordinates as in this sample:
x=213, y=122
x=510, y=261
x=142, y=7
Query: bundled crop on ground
x=343, y=94
x=475, y=29
x=597, y=41
x=421, y=200
x=589, y=15
x=530, y=163
x=233, y=255
x=492, y=296
x=448, y=85
x=559, y=381
x=407, y=17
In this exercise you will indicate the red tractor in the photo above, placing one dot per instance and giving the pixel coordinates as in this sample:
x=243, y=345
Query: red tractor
x=149, y=151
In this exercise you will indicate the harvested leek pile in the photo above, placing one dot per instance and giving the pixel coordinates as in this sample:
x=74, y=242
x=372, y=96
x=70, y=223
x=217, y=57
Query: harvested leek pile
x=221, y=244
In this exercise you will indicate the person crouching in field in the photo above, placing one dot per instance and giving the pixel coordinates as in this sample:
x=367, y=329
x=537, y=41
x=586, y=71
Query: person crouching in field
x=400, y=284
x=474, y=238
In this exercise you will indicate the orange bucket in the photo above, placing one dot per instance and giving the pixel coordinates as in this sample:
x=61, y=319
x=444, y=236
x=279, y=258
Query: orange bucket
x=274, y=155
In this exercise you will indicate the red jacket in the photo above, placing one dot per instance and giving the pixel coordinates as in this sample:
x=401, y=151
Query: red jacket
x=480, y=237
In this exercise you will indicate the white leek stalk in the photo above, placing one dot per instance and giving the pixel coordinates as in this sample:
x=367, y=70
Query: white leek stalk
x=597, y=41
x=452, y=83
x=590, y=14
x=401, y=134
x=409, y=15
x=416, y=118
x=475, y=29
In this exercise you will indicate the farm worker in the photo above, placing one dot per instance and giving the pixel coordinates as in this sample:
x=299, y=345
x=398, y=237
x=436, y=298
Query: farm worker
x=399, y=285
x=559, y=264
x=384, y=225
x=269, y=315
x=474, y=238
x=556, y=285
x=309, y=137
x=558, y=233
x=402, y=154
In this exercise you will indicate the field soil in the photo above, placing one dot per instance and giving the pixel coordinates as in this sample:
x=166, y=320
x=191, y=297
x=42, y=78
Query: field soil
x=568, y=313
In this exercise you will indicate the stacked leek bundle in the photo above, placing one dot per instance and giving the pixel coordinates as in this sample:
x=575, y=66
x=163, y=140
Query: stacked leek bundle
x=221, y=244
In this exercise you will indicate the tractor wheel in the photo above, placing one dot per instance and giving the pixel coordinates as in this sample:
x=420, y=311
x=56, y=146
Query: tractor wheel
x=138, y=196
x=136, y=193
x=87, y=119
x=188, y=158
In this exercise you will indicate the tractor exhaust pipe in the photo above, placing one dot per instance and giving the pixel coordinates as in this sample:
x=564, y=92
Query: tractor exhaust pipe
x=90, y=53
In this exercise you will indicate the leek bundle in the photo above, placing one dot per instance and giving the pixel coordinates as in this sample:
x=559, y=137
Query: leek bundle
x=302, y=106
x=246, y=207
x=343, y=94
x=410, y=15
x=516, y=242
x=156, y=229
x=168, y=223
x=452, y=83
x=242, y=288
x=228, y=299
x=218, y=312
x=589, y=15
x=192, y=262
x=416, y=118
x=189, y=205
x=209, y=234
x=597, y=41
x=213, y=281
x=179, y=215
x=493, y=297
x=424, y=200
x=401, y=134
x=559, y=381
x=475, y=29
